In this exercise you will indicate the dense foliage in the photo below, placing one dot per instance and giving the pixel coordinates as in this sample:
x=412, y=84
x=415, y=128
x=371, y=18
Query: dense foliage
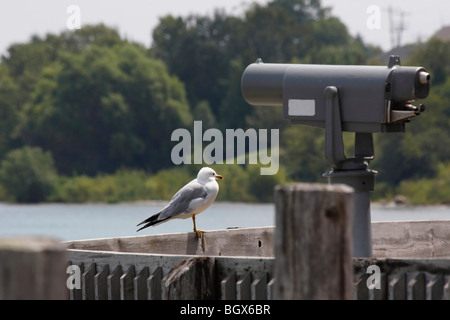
x=88, y=116
x=27, y=175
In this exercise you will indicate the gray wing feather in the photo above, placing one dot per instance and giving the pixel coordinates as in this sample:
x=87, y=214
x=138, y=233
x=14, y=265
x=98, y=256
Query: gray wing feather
x=181, y=200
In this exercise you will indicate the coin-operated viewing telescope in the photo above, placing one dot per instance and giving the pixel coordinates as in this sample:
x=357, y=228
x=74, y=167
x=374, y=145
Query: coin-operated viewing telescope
x=360, y=99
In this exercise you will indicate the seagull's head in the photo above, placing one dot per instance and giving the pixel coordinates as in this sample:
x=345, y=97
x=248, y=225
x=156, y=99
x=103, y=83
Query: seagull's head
x=207, y=174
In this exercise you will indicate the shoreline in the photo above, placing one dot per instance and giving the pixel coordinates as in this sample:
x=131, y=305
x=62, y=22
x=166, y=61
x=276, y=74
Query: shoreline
x=379, y=204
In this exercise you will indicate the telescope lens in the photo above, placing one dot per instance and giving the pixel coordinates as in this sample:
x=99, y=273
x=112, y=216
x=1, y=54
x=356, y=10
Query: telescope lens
x=424, y=77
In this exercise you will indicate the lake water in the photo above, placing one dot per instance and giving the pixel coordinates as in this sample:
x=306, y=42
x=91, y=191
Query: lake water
x=87, y=221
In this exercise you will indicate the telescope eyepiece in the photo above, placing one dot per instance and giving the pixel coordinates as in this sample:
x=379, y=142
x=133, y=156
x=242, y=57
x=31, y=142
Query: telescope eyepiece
x=424, y=77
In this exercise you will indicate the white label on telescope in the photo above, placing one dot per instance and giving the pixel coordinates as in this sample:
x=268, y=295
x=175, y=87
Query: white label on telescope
x=302, y=108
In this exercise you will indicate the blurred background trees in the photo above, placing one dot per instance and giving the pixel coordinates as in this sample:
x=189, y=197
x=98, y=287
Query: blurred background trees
x=103, y=108
x=27, y=175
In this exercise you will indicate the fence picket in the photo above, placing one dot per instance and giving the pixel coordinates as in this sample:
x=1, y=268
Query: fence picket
x=415, y=288
x=140, y=284
x=228, y=287
x=113, y=283
x=434, y=288
x=87, y=283
x=75, y=294
x=446, y=288
x=127, y=284
x=381, y=293
x=154, y=285
x=100, y=281
x=259, y=288
x=270, y=289
x=360, y=290
x=243, y=289
x=396, y=287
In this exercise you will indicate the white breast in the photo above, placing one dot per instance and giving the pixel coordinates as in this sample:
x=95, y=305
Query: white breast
x=212, y=189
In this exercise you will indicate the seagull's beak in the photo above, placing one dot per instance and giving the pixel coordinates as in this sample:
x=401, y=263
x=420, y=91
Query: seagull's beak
x=219, y=177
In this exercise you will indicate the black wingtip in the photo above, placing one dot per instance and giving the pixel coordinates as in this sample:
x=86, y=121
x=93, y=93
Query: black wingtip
x=146, y=226
x=149, y=221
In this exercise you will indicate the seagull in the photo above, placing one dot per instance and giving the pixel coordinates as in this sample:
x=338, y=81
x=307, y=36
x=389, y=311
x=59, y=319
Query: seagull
x=194, y=198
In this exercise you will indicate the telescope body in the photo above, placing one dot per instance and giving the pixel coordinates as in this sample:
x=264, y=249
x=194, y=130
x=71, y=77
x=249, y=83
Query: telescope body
x=371, y=98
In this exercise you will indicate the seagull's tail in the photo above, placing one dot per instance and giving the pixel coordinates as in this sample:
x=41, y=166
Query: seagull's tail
x=153, y=220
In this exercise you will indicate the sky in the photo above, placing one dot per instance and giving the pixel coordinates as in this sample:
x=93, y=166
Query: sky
x=135, y=19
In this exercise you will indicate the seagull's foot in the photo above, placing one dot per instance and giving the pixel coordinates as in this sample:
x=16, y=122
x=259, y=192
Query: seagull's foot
x=199, y=233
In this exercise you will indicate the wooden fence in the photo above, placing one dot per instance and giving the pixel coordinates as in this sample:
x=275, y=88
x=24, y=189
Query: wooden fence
x=307, y=256
x=113, y=275
x=150, y=277
x=108, y=273
x=394, y=239
x=403, y=279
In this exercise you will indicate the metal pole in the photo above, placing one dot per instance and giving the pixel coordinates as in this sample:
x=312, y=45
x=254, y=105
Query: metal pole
x=362, y=231
x=362, y=181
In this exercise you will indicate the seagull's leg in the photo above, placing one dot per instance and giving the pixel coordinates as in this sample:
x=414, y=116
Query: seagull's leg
x=198, y=232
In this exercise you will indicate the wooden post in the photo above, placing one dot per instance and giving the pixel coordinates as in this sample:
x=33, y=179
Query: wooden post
x=32, y=269
x=192, y=279
x=313, y=241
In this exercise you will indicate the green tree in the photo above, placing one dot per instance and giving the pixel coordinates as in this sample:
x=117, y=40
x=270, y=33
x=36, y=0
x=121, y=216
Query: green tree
x=234, y=111
x=262, y=186
x=27, y=174
x=105, y=108
x=196, y=50
x=23, y=65
x=202, y=112
x=9, y=104
x=25, y=61
x=435, y=56
x=419, y=152
x=303, y=153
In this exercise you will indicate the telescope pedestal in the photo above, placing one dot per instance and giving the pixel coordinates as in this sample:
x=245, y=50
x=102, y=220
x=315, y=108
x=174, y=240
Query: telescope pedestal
x=362, y=181
x=350, y=171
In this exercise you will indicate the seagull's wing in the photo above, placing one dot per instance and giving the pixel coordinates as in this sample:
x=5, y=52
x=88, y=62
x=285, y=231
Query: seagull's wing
x=181, y=200
x=178, y=205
